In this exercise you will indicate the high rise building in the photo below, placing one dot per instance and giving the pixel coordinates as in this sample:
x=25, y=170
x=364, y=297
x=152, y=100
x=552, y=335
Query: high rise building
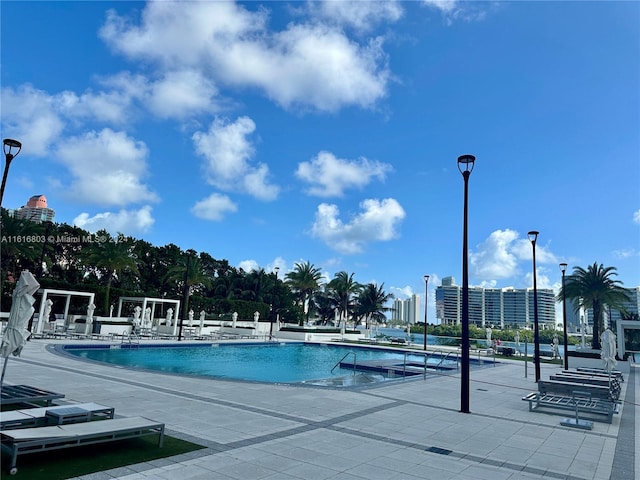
x=495, y=307
x=407, y=310
x=35, y=210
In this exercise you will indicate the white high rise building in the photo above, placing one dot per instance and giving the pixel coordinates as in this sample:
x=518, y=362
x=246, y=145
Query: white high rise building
x=407, y=310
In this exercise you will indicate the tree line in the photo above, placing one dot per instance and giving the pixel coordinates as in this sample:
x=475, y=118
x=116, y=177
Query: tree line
x=67, y=257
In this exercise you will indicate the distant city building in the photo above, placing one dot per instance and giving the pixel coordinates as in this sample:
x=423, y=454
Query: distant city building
x=35, y=210
x=406, y=311
x=495, y=307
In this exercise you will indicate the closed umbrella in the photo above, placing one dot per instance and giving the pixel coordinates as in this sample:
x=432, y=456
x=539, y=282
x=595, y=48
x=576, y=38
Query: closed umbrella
x=609, y=349
x=16, y=333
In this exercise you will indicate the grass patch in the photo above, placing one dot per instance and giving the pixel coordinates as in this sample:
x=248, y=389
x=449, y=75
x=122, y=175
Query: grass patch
x=74, y=462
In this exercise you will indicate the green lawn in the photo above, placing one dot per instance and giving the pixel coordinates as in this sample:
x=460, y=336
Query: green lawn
x=73, y=462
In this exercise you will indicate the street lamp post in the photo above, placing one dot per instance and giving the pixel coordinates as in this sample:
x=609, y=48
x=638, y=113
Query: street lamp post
x=533, y=237
x=465, y=165
x=185, y=295
x=426, y=301
x=8, y=146
x=273, y=313
x=563, y=268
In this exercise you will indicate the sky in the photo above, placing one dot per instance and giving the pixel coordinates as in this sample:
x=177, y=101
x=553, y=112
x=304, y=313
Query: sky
x=270, y=133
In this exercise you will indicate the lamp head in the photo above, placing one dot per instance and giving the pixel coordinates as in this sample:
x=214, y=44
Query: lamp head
x=276, y=269
x=563, y=267
x=426, y=278
x=533, y=236
x=8, y=144
x=465, y=163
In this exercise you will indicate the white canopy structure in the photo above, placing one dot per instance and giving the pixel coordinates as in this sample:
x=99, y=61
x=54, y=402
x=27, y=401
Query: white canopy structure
x=67, y=294
x=149, y=302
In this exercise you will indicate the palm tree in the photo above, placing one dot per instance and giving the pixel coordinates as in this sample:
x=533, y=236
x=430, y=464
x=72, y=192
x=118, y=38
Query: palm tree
x=343, y=288
x=304, y=280
x=371, y=303
x=594, y=288
x=189, y=274
x=112, y=257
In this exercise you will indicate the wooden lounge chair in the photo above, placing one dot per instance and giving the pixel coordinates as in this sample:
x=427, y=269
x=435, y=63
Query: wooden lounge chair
x=42, y=439
x=40, y=417
x=10, y=394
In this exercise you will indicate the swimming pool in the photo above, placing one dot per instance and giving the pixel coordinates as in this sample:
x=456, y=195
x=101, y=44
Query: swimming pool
x=262, y=362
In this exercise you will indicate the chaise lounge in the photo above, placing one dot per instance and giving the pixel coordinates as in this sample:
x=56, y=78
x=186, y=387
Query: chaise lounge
x=42, y=439
x=11, y=394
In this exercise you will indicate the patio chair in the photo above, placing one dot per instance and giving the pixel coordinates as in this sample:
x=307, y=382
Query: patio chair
x=42, y=439
x=11, y=394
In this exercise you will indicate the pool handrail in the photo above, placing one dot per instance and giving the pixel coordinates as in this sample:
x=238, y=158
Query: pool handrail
x=351, y=352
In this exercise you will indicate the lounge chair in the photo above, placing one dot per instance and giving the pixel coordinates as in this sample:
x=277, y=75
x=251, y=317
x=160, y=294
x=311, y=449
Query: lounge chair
x=43, y=416
x=10, y=394
x=42, y=439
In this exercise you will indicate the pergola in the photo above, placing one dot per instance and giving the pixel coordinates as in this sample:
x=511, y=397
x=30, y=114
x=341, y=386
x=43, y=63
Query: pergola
x=46, y=293
x=145, y=302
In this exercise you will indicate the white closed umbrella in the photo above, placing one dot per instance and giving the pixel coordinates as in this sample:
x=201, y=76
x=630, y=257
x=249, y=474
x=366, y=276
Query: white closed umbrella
x=16, y=333
x=609, y=349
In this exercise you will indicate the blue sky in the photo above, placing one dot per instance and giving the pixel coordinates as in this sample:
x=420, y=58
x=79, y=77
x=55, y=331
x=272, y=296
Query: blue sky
x=270, y=133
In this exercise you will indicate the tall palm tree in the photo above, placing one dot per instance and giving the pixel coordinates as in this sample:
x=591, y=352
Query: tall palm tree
x=111, y=258
x=189, y=274
x=344, y=288
x=371, y=303
x=304, y=280
x=594, y=288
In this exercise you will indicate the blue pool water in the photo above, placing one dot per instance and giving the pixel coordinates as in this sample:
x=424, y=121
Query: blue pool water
x=275, y=363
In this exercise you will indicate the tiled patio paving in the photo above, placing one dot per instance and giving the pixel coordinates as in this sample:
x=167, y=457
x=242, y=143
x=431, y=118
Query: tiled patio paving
x=401, y=430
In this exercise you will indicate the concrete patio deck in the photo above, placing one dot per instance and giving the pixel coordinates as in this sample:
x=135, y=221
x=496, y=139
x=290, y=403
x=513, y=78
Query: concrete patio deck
x=401, y=430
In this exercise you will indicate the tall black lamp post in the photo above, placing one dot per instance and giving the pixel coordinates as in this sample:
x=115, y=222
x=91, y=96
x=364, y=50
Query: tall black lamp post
x=465, y=165
x=426, y=302
x=273, y=311
x=185, y=295
x=11, y=150
x=563, y=268
x=533, y=237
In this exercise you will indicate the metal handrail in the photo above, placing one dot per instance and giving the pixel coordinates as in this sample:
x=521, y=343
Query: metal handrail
x=345, y=356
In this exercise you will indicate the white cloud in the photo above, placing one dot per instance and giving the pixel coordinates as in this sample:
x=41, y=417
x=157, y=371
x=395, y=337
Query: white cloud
x=636, y=216
x=214, y=207
x=30, y=115
x=378, y=221
x=249, y=265
x=360, y=15
x=625, y=253
x=304, y=65
x=401, y=292
x=500, y=255
x=107, y=168
x=457, y=10
x=110, y=107
x=227, y=150
x=330, y=176
x=128, y=222
x=182, y=93
x=494, y=258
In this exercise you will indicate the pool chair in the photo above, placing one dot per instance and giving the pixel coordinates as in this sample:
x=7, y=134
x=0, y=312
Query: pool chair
x=59, y=415
x=42, y=439
x=11, y=394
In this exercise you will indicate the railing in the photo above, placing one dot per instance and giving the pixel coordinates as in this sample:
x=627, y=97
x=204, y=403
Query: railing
x=130, y=337
x=345, y=356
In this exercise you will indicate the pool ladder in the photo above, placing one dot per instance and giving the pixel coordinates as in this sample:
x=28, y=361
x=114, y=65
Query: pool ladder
x=345, y=356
